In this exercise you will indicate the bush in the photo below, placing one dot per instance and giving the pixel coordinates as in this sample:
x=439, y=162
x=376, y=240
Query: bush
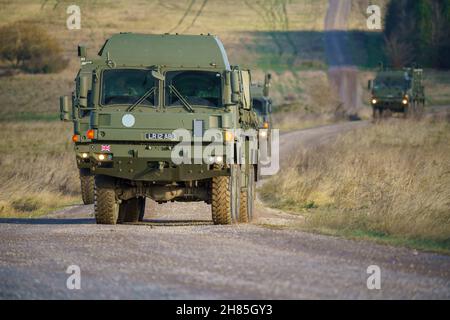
x=30, y=48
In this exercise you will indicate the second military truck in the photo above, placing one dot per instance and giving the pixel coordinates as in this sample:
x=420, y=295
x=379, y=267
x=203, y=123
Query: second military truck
x=143, y=112
x=398, y=91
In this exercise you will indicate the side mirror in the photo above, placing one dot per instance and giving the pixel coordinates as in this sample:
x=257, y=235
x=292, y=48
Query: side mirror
x=84, y=88
x=82, y=52
x=64, y=108
x=235, y=87
x=369, y=85
x=227, y=89
x=267, y=83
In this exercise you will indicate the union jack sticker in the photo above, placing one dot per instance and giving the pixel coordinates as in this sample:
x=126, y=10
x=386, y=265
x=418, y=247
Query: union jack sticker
x=106, y=148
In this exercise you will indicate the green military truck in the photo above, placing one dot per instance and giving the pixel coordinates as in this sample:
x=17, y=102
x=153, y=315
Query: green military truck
x=151, y=103
x=400, y=91
x=82, y=116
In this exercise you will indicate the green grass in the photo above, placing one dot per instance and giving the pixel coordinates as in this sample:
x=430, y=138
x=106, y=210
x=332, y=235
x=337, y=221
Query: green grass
x=39, y=172
x=423, y=244
x=30, y=116
x=442, y=246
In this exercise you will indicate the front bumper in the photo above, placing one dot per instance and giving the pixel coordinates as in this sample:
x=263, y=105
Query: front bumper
x=153, y=171
x=141, y=162
x=393, y=105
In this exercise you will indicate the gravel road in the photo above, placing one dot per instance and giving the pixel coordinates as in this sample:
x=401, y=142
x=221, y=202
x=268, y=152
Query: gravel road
x=178, y=254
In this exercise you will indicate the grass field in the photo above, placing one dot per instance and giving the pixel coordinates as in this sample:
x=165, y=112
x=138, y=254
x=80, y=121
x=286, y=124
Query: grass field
x=389, y=181
x=38, y=173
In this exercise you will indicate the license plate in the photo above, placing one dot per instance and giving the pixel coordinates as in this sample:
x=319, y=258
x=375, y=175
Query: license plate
x=159, y=136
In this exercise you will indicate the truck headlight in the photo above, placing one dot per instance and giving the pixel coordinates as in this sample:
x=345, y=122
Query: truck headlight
x=228, y=136
x=374, y=101
x=405, y=101
x=104, y=157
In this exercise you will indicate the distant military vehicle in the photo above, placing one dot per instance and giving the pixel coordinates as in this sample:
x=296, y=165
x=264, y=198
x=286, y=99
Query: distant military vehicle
x=399, y=91
x=140, y=96
x=262, y=104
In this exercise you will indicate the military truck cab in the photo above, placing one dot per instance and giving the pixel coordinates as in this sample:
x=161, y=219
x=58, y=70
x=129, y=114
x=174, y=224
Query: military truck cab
x=166, y=120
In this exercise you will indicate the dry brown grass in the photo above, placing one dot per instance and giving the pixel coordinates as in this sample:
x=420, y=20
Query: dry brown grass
x=38, y=168
x=305, y=99
x=391, y=179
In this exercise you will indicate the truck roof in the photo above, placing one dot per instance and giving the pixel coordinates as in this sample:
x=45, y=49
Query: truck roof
x=197, y=51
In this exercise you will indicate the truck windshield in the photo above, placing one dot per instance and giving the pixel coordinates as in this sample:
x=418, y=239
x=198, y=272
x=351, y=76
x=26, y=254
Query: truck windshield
x=381, y=83
x=258, y=106
x=126, y=86
x=198, y=88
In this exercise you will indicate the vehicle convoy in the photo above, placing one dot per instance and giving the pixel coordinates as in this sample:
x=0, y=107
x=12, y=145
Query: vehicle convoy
x=399, y=91
x=165, y=117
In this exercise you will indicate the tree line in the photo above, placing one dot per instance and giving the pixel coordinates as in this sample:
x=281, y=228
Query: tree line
x=418, y=31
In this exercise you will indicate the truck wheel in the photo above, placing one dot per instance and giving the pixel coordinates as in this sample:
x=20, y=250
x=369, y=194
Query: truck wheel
x=141, y=208
x=132, y=210
x=248, y=198
x=225, y=197
x=420, y=108
x=106, y=202
x=406, y=111
x=414, y=108
x=87, y=186
x=376, y=113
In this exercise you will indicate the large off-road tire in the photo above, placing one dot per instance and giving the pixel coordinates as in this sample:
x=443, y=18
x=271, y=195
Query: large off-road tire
x=407, y=110
x=132, y=210
x=225, y=197
x=420, y=109
x=87, y=186
x=376, y=113
x=141, y=208
x=106, y=202
x=248, y=198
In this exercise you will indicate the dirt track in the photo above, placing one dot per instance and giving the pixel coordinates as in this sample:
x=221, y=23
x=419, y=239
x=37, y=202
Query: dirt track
x=196, y=260
x=342, y=74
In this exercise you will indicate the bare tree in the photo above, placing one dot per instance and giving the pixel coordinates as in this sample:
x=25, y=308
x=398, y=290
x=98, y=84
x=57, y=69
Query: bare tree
x=400, y=53
x=274, y=14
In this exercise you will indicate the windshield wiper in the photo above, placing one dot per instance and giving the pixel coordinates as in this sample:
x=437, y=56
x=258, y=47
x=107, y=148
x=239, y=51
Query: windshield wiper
x=141, y=99
x=181, y=98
